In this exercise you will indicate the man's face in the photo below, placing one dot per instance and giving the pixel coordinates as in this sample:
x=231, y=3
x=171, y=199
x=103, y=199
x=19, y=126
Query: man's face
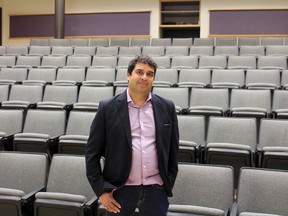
x=141, y=78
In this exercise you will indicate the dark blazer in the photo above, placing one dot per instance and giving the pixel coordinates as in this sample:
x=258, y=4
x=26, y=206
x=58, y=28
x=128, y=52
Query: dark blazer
x=110, y=137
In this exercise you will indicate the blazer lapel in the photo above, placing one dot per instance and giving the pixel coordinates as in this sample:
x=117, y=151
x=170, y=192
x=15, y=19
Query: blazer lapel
x=122, y=108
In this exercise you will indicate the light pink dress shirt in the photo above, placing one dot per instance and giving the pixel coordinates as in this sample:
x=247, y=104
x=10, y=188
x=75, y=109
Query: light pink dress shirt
x=144, y=168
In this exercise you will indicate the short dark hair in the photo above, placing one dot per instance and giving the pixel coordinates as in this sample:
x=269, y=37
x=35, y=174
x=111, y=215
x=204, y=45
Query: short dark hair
x=142, y=59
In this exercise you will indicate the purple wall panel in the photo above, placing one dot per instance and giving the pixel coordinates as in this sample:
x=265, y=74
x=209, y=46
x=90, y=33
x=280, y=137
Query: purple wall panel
x=249, y=22
x=130, y=23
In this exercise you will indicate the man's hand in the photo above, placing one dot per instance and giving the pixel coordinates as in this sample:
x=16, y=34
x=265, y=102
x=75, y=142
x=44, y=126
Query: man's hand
x=108, y=201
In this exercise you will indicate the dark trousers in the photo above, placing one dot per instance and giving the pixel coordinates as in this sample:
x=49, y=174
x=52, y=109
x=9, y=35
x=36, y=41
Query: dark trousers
x=151, y=200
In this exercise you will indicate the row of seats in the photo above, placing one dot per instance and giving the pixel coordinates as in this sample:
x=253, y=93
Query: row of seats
x=198, y=190
x=178, y=62
x=146, y=50
x=216, y=101
x=168, y=77
x=217, y=41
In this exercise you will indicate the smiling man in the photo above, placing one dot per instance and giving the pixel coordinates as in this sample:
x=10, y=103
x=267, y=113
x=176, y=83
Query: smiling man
x=137, y=134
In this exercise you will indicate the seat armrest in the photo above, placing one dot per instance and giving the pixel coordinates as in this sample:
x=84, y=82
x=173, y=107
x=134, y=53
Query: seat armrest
x=91, y=206
x=28, y=200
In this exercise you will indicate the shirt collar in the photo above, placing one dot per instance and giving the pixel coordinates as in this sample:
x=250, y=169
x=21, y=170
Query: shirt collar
x=129, y=99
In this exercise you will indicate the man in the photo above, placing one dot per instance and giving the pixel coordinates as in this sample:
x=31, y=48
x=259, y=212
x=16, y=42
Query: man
x=137, y=134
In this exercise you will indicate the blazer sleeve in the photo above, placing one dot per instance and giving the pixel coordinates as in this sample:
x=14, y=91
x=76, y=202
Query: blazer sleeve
x=94, y=151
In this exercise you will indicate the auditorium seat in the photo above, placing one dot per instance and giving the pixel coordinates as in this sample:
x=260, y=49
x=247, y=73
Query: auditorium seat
x=153, y=50
x=10, y=124
x=192, y=137
x=4, y=93
x=242, y=62
x=202, y=190
x=123, y=61
x=84, y=50
x=80, y=42
x=121, y=42
x=201, y=51
x=17, y=50
x=100, y=76
x=13, y=75
x=39, y=50
x=203, y=42
x=140, y=42
x=181, y=62
x=180, y=97
x=226, y=41
x=268, y=41
x=75, y=138
x=284, y=79
x=231, y=78
x=107, y=51
x=231, y=141
x=129, y=51
x=166, y=77
x=104, y=61
x=262, y=192
x=121, y=77
x=252, y=50
x=7, y=61
x=161, y=42
x=90, y=96
x=272, y=62
x=3, y=50
x=194, y=78
x=39, y=42
x=53, y=61
x=206, y=101
x=28, y=61
x=280, y=104
x=182, y=42
x=68, y=191
x=275, y=50
x=41, y=131
x=248, y=41
x=162, y=61
x=212, y=62
x=262, y=79
x=62, y=50
x=99, y=42
x=41, y=76
x=273, y=147
x=59, y=42
x=250, y=103
x=70, y=76
x=78, y=61
x=23, y=96
x=22, y=176
x=177, y=51
x=226, y=50
x=59, y=97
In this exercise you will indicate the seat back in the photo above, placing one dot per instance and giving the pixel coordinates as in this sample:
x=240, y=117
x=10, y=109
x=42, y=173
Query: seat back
x=203, y=42
x=78, y=61
x=28, y=61
x=15, y=74
x=65, y=94
x=203, y=186
x=120, y=42
x=40, y=50
x=85, y=50
x=42, y=74
x=228, y=78
x=213, y=62
x=97, y=42
x=30, y=93
x=194, y=77
x=23, y=171
x=68, y=175
x=226, y=41
x=182, y=41
x=11, y=121
x=62, y=50
x=241, y=62
x=263, y=79
x=263, y=191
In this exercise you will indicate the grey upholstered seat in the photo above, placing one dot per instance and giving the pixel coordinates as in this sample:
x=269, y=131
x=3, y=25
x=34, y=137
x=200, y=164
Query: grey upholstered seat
x=241, y=62
x=53, y=61
x=231, y=141
x=79, y=61
x=39, y=42
x=41, y=131
x=107, y=51
x=248, y=41
x=68, y=191
x=166, y=77
x=194, y=78
x=226, y=50
x=252, y=50
x=180, y=62
x=10, y=124
x=75, y=139
x=123, y=42
x=263, y=79
x=100, y=76
x=262, y=192
x=204, y=42
x=192, y=137
x=202, y=190
x=39, y=50
x=28, y=61
x=70, y=76
x=62, y=50
x=80, y=42
x=41, y=76
x=182, y=41
x=84, y=50
x=22, y=175
x=228, y=78
x=226, y=41
x=59, y=42
x=104, y=61
x=13, y=75
x=273, y=147
x=213, y=62
x=99, y=42
x=280, y=104
x=272, y=62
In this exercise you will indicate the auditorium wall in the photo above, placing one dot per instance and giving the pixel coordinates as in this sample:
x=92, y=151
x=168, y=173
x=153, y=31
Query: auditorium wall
x=28, y=7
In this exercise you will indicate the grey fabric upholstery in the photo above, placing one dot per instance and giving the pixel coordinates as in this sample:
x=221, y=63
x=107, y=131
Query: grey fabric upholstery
x=41, y=75
x=262, y=191
x=280, y=104
x=182, y=41
x=180, y=62
x=28, y=61
x=102, y=76
x=166, y=77
x=231, y=78
x=202, y=189
x=177, y=51
x=241, y=62
x=194, y=77
x=201, y=50
x=248, y=41
x=13, y=74
x=96, y=42
x=39, y=50
x=104, y=61
x=68, y=189
x=252, y=50
x=22, y=175
x=204, y=42
x=162, y=61
x=53, y=61
x=79, y=61
x=213, y=62
x=153, y=50
x=129, y=51
x=226, y=50
x=272, y=62
x=226, y=41
x=161, y=42
x=262, y=79
x=107, y=51
x=85, y=50
x=7, y=61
